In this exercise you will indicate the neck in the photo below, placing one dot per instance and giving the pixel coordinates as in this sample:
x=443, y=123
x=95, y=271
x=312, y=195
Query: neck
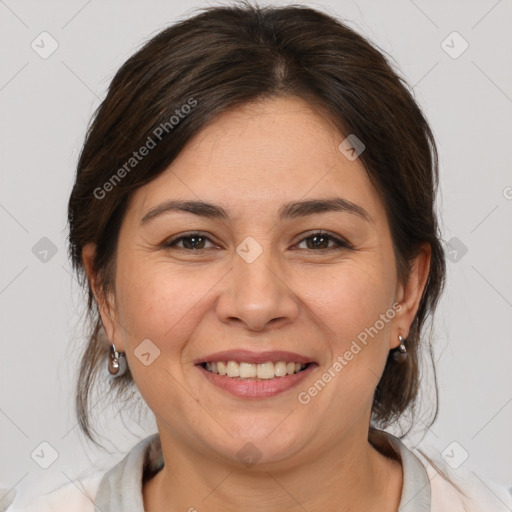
x=353, y=477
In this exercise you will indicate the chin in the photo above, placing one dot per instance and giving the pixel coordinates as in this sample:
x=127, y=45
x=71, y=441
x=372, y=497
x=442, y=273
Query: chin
x=261, y=444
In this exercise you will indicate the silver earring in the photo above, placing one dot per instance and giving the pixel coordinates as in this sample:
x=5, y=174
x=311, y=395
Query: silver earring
x=116, y=362
x=400, y=355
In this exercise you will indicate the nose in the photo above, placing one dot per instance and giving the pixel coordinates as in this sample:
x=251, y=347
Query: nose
x=257, y=295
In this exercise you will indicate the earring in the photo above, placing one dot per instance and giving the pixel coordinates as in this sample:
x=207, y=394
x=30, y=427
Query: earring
x=116, y=364
x=400, y=355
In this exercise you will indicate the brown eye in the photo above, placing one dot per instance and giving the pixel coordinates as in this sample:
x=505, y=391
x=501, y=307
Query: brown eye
x=192, y=242
x=320, y=241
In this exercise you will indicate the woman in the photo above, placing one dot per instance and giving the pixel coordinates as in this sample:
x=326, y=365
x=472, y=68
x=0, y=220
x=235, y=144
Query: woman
x=254, y=214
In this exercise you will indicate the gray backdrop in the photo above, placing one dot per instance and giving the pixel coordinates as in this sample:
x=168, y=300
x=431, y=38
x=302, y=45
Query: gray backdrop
x=57, y=60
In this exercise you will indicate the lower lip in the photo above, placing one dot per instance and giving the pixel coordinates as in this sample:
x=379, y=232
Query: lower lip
x=256, y=388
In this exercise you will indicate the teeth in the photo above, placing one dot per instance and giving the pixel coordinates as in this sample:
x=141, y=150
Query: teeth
x=243, y=370
x=280, y=369
x=248, y=370
x=266, y=371
x=222, y=367
x=233, y=370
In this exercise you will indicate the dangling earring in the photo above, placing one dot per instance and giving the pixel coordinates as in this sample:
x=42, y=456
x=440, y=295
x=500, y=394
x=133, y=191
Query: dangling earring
x=400, y=355
x=116, y=362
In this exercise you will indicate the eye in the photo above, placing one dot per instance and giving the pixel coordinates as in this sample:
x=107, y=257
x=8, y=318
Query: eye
x=320, y=241
x=191, y=242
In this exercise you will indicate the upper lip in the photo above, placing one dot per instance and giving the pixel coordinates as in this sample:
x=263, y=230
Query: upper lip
x=248, y=356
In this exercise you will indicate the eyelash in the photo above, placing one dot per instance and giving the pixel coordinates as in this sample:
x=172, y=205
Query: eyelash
x=339, y=243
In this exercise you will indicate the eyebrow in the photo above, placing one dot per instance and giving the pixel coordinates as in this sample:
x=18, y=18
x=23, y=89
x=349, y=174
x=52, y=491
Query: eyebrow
x=291, y=210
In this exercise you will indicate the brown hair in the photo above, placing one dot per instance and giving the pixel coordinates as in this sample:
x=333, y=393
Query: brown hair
x=219, y=59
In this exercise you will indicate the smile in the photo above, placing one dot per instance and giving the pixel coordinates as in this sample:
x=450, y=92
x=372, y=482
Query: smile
x=250, y=374
x=261, y=371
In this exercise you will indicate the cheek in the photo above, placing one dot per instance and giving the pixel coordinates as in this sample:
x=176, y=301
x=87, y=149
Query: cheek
x=356, y=306
x=162, y=306
x=351, y=298
x=160, y=303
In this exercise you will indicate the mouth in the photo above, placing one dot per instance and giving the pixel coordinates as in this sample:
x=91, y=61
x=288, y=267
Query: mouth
x=255, y=374
x=252, y=371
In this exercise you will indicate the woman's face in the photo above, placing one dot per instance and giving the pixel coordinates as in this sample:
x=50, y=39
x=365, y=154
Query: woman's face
x=256, y=280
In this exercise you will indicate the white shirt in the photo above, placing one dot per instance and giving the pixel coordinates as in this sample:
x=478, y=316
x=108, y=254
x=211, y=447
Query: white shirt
x=120, y=489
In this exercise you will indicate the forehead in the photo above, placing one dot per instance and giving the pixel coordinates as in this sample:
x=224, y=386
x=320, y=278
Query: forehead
x=260, y=155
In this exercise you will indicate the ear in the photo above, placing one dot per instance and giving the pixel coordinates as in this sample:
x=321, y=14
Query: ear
x=410, y=293
x=106, y=304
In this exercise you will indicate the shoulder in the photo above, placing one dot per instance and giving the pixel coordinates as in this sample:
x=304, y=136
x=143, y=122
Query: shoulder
x=460, y=489
x=118, y=488
x=77, y=496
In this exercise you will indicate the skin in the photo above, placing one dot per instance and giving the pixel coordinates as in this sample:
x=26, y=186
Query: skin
x=294, y=296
